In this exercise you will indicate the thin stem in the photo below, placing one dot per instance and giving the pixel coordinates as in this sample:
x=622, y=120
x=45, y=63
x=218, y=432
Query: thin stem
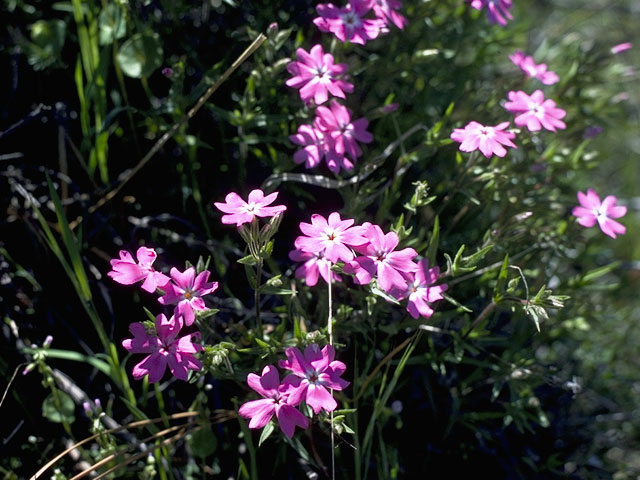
x=330, y=330
x=257, y=297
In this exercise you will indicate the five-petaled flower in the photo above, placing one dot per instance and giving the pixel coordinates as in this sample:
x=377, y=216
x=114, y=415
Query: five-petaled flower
x=348, y=23
x=380, y=258
x=531, y=69
x=421, y=290
x=186, y=290
x=497, y=10
x=127, y=272
x=386, y=10
x=240, y=212
x=312, y=373
x=315, y=75
x=276, y=400
x=534, y=112
x=489, y=140
x=164, y=348
x=592, y=210
x=314, y=265
x=331, y=237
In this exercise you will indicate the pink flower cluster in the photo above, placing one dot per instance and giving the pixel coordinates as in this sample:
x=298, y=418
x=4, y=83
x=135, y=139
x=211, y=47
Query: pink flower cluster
x=368, y=254
x=311, y=374
x=333, y=136
x=497, y=10
x=162, y=342
x=351, y=24
x=240, y=212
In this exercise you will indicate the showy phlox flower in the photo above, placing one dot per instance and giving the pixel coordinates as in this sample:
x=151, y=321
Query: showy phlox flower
x=332, y=237
x=186, y=291
x=534, y=112
x=312, y=373
x=489, y=140
x=332, y=136
x=276, y=400
x=127, y=272
x=592, y=210
x=163, y=347
x=348, y=23
x=385, y=10
x=531, y=69
x=497, y=10
x=240, y=212
x=421, y=291
x=379, y=258
x=314, y=265
x=316, y=75
x=621, y=47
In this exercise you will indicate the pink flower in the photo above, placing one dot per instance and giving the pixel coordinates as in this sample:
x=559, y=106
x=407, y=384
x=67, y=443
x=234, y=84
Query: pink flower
x=535, y=112
x=127, y=272
x=531, y=69
x=421, y=291
x=314, y=143
x=187, y=290
x=488, y=140
x=348, y=23
x=164, y=348
x=380, y=258
x=332, y=238
x=621, y=47
x=385, y=10
x=312, y=373
x=497, y=10
x=314, y=265
x=244, y=212
x=316, y=75
x=592, y=210
x=275, y=401
x=345, y=134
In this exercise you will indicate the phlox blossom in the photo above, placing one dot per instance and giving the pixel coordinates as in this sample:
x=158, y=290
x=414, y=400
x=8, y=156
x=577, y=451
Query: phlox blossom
x=592, y=210
x=240, y=212
x=275, y=401
x=497, y=10
x=534, y=112
x=164, y=348
x=385, y=10
x=315, y=75
x=421, y=291
x=348, y=23
x=489, y=140
x=531, y=69
x=312, y=373
x=314, y=143
x=314, y=265
x=335, y=121
x=186, y=291
x=332, y=237
x=380, y=258
x=127, y=272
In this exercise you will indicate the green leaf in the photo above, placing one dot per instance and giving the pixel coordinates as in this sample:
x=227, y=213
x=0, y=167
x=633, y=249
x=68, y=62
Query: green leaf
x=202, y=441
x=140, y=55
x=248, y=260
x=59, y=408
x=268, y=429
x=453, y=301
x=502, y=280
x=377, y=291
x=111, y=24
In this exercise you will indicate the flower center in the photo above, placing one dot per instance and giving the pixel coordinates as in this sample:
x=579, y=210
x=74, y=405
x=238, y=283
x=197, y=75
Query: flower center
x=351, y=20
x=188, y=295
